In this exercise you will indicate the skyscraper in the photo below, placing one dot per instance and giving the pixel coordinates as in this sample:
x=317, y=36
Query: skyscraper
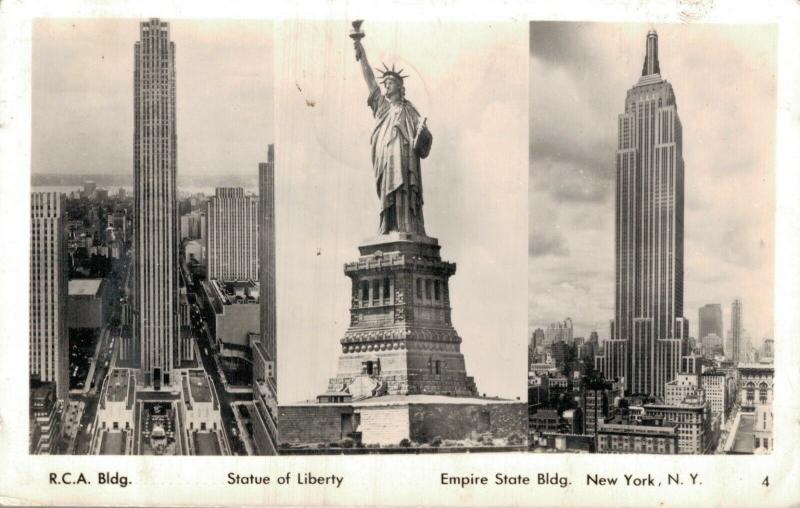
x=736, y=332
x=155, y=303
x=649, y=329
x=232, y=235
x=49, y=339
x=266, y=252
x=537, y=339
x=710, y=320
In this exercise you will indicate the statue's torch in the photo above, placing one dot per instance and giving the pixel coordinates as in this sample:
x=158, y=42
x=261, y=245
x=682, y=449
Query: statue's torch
x=356, y=34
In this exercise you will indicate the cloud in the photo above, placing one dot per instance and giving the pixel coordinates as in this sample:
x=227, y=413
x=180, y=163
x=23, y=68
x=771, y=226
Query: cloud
x=547, y=243
x=724, y=81
x=568, y=181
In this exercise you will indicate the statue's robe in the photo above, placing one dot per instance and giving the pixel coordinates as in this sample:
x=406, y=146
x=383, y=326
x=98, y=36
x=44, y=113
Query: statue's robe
x=399, y=141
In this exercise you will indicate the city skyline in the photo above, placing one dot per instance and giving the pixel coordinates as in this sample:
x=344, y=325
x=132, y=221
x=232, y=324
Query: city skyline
x=82, y=113
x=575, y=76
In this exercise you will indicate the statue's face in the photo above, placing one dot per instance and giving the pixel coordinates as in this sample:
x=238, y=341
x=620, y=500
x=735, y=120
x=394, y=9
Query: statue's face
x=393, y=86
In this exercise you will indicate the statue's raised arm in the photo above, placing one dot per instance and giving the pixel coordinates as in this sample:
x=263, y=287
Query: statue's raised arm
x=361, y=57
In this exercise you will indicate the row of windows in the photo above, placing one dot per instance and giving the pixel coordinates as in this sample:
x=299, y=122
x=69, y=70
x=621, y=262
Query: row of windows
x=764, y=441
x=380, y=289
x=762, y=393
x=430, y=287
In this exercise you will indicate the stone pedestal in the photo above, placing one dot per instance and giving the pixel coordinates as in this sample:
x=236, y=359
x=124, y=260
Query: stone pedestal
x=400, y=332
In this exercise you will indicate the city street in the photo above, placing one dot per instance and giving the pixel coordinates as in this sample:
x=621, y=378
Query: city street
x=109, y=340
x=210, y=365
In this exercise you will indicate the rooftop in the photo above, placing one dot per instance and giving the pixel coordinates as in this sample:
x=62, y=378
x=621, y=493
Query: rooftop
x=117, y=385
x=41, y=390
x=545, y=413
x=84, y=287
x=206, y=443
x=113, y=443
x=763, y=367
x=638, y=429
x=237, y=291
x=743, y=440
x=677, y=407
x=198, y=382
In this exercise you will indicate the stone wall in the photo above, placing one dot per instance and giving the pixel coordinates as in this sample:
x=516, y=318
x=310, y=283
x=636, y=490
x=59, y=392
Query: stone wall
x=312, y=423
x=384, y=425
x=467, y=421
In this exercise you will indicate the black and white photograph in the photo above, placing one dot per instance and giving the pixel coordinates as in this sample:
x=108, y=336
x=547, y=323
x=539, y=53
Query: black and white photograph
x=400, y=250
x=151, y=211
x=651, y=238
x=406, y=253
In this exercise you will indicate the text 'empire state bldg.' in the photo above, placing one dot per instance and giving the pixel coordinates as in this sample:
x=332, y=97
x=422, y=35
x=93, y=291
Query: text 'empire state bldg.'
x=648, y=332
x=155, y=206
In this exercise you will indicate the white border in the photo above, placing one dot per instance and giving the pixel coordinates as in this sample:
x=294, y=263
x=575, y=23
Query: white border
x=393, y=480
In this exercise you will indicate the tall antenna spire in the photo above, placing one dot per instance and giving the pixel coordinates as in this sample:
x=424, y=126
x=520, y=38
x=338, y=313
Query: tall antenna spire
x=651, y=56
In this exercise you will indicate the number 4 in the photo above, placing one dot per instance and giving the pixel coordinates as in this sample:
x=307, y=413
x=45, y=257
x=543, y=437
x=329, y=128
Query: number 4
x=766, y=481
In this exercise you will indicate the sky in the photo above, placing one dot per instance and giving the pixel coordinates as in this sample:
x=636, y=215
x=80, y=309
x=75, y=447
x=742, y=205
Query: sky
x=474, y=94
x=82, y=118
x=723, y=77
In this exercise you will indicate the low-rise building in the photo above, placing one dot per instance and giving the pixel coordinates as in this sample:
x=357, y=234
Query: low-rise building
x=545, y=420
x=683, y=386
x=652, y=436
x=232, y=314
x=88, y=303
x=694, y=421
x=756, y=384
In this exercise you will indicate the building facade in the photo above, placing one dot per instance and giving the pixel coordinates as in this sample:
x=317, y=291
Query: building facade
x=232, y=235
x=537, y=339
x=155, y=303
x=709, y=320
x=630, y=437
x=693, y=417
x=561, y=331
x=714, y=386
x=49, y=338
x=193, y=225
x=683, y=386
x=88, y=305
x=768, y=350
x=595, y=406
x=45, y=424
x=649, y=330
x=757, y=383
x=232, y=314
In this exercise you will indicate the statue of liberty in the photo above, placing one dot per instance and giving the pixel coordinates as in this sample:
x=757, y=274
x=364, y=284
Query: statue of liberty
x=400, y=139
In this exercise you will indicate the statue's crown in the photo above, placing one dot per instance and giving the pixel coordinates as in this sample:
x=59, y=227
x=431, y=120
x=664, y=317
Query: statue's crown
x=387, y=72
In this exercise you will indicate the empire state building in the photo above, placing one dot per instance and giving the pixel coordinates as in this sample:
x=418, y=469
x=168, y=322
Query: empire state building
x=648, y=332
